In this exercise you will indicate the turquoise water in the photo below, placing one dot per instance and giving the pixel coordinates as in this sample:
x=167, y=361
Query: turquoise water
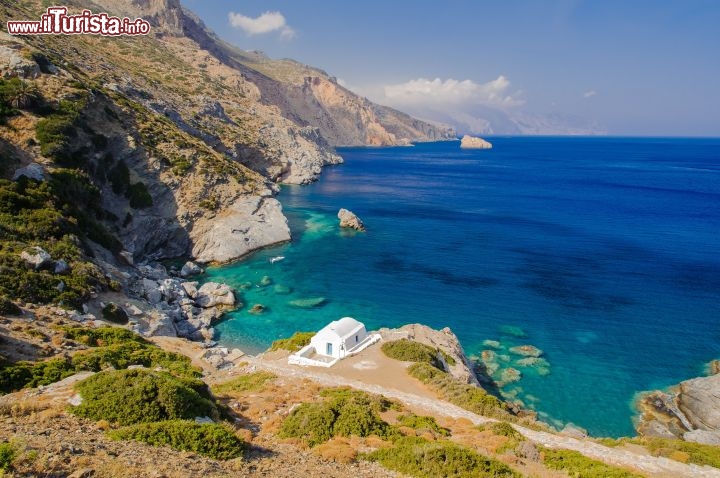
x=603, y=252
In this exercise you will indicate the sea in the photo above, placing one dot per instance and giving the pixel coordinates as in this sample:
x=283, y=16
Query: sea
x=602, y=252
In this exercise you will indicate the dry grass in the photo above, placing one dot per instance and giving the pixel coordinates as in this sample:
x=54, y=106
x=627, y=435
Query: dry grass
x=338, y=449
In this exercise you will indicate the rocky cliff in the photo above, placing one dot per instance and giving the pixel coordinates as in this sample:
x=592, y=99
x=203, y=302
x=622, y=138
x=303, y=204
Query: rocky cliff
x=690, y=411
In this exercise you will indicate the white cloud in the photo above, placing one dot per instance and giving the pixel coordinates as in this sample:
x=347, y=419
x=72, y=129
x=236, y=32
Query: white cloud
x=589, y=94
x=424, y=92
x=265, y=23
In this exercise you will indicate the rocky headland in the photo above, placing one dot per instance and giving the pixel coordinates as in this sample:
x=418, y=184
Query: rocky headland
x=689, y=411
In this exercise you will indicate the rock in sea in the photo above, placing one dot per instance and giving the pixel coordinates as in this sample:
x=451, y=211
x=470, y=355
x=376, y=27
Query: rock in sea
x=349, y=219
x=526, y=350
x=471, y=142
x=308, y=303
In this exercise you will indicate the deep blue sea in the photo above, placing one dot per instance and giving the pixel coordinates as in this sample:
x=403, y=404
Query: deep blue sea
x=602, y=252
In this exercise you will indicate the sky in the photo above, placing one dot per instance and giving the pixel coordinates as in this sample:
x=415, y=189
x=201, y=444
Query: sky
x=639, y=67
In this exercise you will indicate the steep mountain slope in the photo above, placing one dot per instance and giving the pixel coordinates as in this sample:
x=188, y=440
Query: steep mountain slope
x=306, y=95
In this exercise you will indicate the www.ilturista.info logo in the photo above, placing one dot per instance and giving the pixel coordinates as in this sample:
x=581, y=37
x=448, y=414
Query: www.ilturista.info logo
x=57, y=22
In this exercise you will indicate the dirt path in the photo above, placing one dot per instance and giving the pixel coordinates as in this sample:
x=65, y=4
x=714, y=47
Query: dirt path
x=656, y=466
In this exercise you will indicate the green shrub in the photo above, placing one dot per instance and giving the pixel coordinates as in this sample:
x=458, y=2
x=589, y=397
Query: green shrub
x=53, y=131
x=462, y=394
x=578, y=465
x=310, y=422
x=102, y=336
x=123, y=355
x=294, y=343
x=8, y=452
x=422, y=423
x=127, y=397
x=8, y=308
x=115, y=314
x=697, y=453
x=15, y=376
x=411, y=351
x=506, y=430
x=420, y=458
x=212, y=440
x=121, y=349
x=251, y=382
x=343, y=412
x=139, y=196
x=119, y=177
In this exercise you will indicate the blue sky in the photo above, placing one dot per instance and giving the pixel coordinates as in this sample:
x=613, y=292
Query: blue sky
x=637, y=67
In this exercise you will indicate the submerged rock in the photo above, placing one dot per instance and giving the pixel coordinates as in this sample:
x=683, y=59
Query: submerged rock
x=308, y=303
x=265, y=281
x=510, y=375
x=714, y=367
x=488, y=356
x=526, y=350
x=257, y=309
x=513, y=331
x=491, y=343
x=282, y=289
x=350, y=220
x=533, y=362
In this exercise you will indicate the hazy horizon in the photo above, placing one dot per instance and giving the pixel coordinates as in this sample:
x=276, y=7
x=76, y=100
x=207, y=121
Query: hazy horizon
x=629, y=68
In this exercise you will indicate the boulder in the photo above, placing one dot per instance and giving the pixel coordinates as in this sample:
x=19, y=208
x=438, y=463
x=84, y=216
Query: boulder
x=12, y=63
x=190, y=288
x=190, y=269
x=350, y=220
x=36, y=257
x=212, y=294
x=472, y=142
x=161, y=325
x=61, y=267
x=574, y=431
x=31, y=171
x=152, y=291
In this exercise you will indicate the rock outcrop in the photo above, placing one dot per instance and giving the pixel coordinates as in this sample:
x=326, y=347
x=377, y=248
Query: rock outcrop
x=444, y=340
x=691, y=411
x=350, y=220
x=36, y=257
x=471, y=142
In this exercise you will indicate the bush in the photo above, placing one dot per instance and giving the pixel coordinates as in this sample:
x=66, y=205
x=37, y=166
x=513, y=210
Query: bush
x=115, y=314
x=8, y=308
x=139, y=196
x=462, y=394
x=576, y=464
x=343, y=412
x=420, y=458
x=119, y=177
x=16, y=376
x=294, y=343
x=692, y=452
x=310, y=422
x=123, y=355
x=127, y=397
x=102, y=336
x=121, y=349
x=8, y=452
x=411, y=351
x=251, y=382
x=422, y=423
x=53, y=131
x=212, y=440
